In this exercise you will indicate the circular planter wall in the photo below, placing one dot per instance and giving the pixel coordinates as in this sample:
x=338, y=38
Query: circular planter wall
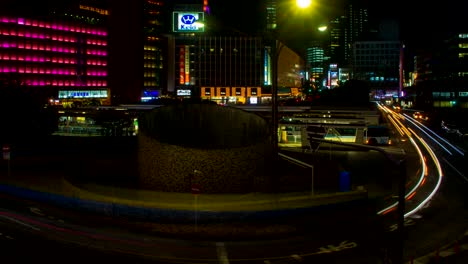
x=215, y=148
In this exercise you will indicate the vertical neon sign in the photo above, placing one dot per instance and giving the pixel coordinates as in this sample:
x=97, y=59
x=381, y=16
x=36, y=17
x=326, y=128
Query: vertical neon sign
x=267, y=67
x=182, y=65
x=187, y=65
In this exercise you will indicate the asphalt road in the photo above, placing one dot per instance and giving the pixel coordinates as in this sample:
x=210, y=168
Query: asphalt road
x=75, y=237
x=55, y=235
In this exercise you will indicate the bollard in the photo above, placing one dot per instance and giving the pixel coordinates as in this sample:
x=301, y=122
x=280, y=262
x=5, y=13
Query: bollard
x=456, y=247
x=437, y=256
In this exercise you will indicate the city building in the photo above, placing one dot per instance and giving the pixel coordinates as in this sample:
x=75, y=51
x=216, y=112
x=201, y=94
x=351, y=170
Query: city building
x=231, y=68
x=315, y=62
x=356, y=24
x=63, y=59
x=155, y=59
x=440, y=75
x=378, y=63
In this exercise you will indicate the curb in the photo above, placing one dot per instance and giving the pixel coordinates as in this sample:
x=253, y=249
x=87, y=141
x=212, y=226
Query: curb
x=443, y=254
x=115, y=207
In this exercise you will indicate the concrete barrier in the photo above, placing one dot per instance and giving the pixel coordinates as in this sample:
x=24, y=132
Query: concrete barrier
x=108, y=206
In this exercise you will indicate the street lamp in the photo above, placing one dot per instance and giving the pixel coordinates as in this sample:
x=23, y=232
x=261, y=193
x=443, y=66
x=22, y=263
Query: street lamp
x=303, y=3
x=274, y=53
x=401, y=165
x=322, y=28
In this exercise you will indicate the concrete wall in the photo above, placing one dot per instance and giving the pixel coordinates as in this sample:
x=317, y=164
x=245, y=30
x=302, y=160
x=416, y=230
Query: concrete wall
x=222, y=149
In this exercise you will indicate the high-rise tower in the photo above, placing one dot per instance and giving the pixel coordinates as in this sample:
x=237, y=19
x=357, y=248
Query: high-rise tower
x=271, y=8
x=357, y=22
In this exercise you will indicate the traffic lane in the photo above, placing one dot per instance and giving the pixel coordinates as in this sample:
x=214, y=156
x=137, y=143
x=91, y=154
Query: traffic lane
x=331, y=253
x=444, y=219
x=330, y=237
x=19, y=246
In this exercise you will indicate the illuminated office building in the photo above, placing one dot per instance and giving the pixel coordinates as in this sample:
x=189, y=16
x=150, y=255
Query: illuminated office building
x=315, y=63
x=271, y=14
x=357, y=23
x=66, y=60
x=231, y=68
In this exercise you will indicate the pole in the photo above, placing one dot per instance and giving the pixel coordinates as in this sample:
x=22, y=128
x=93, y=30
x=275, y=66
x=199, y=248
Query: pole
x=274, y=94
x=196, y=212
x=312, y=181
x=401, y=209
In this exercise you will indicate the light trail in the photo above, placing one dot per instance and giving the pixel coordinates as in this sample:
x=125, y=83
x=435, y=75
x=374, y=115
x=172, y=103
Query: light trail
x=439, y=180
x=421, y=178
x=424, y=173
x=420, y=126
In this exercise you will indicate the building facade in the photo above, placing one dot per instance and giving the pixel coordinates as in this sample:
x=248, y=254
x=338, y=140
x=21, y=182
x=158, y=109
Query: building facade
x=378, y=63
x=66, y=61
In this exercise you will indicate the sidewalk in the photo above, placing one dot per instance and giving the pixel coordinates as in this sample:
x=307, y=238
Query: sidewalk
x=33, y=172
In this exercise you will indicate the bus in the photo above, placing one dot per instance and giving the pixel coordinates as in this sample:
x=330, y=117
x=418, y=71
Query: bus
x=377, y=135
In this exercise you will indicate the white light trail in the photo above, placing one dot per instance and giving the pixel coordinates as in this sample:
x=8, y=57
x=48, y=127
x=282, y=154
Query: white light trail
x=419, y=125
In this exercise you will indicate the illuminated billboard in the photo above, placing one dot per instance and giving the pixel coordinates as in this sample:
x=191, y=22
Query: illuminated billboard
x=188, y=21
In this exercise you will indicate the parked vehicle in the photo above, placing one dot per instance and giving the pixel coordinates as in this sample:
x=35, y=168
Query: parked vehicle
x=449, y=126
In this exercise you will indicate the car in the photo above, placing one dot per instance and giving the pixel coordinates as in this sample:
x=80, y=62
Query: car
x=449, y=126
x=397, y=108
x=420, y=116
x=462, y=132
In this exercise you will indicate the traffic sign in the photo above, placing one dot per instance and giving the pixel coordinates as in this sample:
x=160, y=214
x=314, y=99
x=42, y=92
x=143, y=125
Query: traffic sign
x=6, y=152
x=195, y=188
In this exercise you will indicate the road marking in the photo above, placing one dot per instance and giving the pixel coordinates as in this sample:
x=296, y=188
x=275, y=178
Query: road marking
x=222, y=254
x=296, y=257
x=36, y=211
x=19, y=222
x=416, y=216
x=408, y=222
x=461, y=174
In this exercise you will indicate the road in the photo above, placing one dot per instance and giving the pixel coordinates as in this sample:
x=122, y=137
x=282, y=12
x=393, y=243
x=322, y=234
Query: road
x=443, y=218
x=40, y=232
x=47, y=233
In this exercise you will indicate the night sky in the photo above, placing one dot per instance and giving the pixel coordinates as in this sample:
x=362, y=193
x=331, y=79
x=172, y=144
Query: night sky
x=421, y=22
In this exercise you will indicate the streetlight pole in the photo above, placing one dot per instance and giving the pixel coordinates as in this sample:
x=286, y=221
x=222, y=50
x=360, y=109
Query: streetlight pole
x=275, y=50
x=401, y=164
x=274, y=53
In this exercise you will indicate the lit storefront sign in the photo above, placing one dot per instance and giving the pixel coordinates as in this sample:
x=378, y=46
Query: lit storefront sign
x=95, y=9
x=182, y=65
x=188, y=21
x=187, y=65
x=83, y=94
x=267, y=67
x=184, y=92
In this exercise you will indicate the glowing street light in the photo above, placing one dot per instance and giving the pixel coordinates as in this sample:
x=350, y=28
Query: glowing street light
x=274, y=53
x=322, y=28
x=303, y=3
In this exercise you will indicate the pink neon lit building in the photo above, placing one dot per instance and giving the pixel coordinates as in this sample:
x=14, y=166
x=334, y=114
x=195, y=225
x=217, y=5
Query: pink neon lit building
x=53, y=55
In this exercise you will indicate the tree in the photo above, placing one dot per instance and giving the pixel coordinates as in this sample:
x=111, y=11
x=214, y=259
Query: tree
x=354, y=93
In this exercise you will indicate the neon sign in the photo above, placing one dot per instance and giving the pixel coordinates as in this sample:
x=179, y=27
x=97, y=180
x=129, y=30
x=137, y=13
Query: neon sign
x=188, y=22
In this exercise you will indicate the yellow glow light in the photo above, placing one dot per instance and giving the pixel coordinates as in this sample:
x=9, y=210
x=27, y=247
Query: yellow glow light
x=303, y=3
x=322, y=28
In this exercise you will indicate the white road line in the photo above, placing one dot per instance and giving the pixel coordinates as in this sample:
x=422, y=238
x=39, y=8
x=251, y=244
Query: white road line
x=222, y=254
x=296, y=257
x=19, y=222
x=461, y=174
